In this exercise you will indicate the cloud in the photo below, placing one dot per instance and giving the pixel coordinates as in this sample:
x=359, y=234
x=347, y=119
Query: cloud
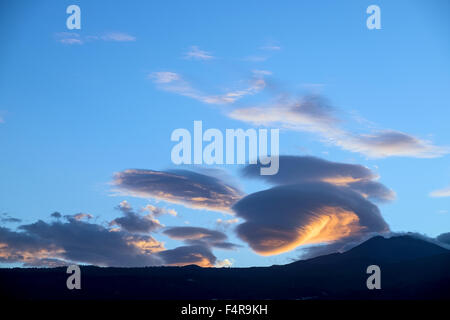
x=227, y=222
x=313, y=114
x=195, y=53
x=225, y=263
x=174, y=83
x=72, y=240
x=195, y=233
x=282, y=218
x=56, y=215
x=77, y=241
x=199, y=236
x=73, y=38
x=445, y=192
x=310, y=113
x=43, y=244
x=68, y=38
x=6, y=218
x=158, y=211
x=118, y=37
x=306, y=169
x=185, y=255
x=46, y=263
x=315, y=201
x=165, y=77
x=194, y=190
x=389, y=143
x=271, y=48
x=134, y=222
x=81, y=216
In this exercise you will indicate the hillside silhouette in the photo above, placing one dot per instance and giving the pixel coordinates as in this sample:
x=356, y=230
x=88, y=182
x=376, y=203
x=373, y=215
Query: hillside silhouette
x=411, y=268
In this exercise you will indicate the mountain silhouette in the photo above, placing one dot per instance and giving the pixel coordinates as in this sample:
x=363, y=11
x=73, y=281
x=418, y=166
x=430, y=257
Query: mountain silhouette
x=411, y=268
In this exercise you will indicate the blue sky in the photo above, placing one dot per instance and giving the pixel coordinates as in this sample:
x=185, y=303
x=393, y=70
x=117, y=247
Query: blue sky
x=76, y=106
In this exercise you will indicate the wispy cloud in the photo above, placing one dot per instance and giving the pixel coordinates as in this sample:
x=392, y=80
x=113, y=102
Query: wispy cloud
x=271, y=48
x=197, y=54
x=68, y=38
x=118, y=37
x=313, y=114
x=73, y=38
x=226, y=222
x=173, y=82
x=165, y=77
x=440, y=193
x=310, y=113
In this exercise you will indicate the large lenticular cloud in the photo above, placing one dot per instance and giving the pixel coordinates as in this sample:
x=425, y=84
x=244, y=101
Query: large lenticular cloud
x=314, y=201
x=285, y=217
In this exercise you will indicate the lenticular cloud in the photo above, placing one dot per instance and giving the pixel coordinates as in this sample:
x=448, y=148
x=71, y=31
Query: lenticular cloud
x=314, y=201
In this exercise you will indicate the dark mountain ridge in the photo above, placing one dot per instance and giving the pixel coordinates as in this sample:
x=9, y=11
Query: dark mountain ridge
x=411, y=268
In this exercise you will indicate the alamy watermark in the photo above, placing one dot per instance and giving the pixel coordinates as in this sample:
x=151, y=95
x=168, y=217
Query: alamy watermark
x=374, y=280
x=374, y=20
x=73, y=281
x=216, y=152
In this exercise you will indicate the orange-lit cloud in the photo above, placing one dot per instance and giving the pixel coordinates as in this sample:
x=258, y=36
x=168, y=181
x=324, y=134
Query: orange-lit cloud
x=307, y=169
x=330, y=224
x=71, y=241
x=191, y=189
x=285, y=217
x=185, y=255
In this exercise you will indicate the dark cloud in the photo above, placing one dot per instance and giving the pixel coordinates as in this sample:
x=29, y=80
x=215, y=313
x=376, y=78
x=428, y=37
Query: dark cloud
x=301, y=169
x=6, y=218
x=284, y=217
x=72, y=240
x=200, y=236
x=185, y=187
x=133, y=222
x=56, y=215
x=185, y=255
x=373, y=190
x=444, y=238
x=77, y=241
x=296, y=169
x=23, y=247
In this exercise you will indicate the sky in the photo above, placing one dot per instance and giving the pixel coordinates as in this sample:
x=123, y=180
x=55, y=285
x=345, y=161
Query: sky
x=86, y=117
